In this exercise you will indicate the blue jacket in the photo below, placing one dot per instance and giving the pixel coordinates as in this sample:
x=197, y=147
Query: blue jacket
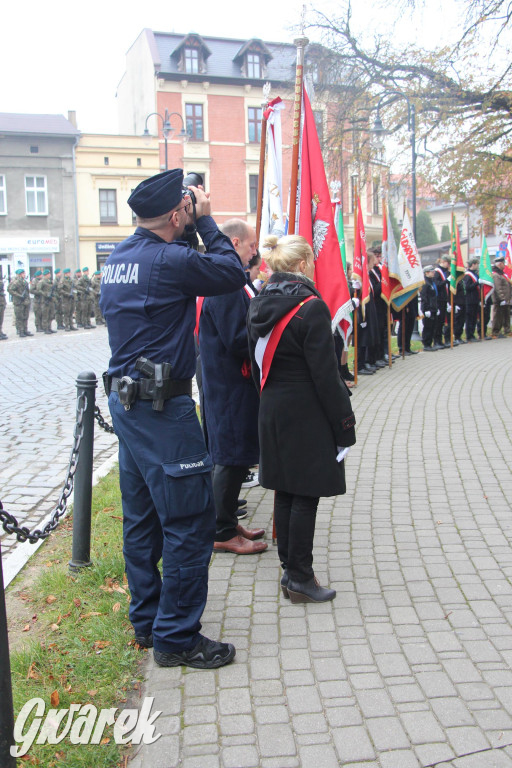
x=231, y=401
x=148, y=296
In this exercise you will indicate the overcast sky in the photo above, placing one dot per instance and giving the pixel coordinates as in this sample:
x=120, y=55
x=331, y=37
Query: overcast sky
x=58, y=56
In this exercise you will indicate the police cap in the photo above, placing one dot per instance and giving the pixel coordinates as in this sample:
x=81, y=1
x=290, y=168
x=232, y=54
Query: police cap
x=499, y=259
x=157, y=195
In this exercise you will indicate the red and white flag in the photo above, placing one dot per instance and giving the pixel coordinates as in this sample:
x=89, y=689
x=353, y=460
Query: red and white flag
x=316, y=223
x=360, y=265
x=409, y=269
x=272, y=219
x=389, y=255
x=508, y=258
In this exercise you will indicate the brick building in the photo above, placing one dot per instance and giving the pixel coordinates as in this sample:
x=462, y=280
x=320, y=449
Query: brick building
x=212, y=89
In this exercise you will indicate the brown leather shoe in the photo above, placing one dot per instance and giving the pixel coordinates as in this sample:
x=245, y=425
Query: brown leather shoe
x=240, y=546
x=250, y=533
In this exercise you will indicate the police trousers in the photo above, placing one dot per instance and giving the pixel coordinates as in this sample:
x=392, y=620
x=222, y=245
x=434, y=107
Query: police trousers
x=168, y=514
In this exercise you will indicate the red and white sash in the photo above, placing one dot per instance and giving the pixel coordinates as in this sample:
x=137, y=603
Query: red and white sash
x=267, y=345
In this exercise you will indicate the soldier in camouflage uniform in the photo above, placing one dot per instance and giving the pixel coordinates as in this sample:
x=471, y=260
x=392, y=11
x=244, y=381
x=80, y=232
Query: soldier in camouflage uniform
x=3, y=303
x=18, y=288
x=57, y=278
x=78, y=297
x=67, y=296
x=48, y=306
x=83, y=286
x=35, y=290
x=96, y=290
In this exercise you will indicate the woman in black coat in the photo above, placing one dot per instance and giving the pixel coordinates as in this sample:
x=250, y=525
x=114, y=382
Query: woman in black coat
x=305, y=416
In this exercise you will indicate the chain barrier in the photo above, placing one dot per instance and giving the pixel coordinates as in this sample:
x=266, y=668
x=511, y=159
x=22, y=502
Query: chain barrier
x=10, y=523
x=101, y=421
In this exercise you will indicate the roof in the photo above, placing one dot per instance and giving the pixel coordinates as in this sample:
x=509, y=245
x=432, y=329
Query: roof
x=222, y=61
x=40, y=125
x=444, y=246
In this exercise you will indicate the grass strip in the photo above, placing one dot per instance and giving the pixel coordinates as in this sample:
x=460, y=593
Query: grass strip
x=78, y=646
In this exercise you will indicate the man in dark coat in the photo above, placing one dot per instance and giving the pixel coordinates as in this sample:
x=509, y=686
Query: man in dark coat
x=231, y=401
x=380, y=306
x=441, y=275
x=428, y=301
x=472, y=287
x=501, y=299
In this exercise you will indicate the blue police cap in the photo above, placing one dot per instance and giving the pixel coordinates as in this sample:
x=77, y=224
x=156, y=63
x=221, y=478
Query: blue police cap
x=157, y=195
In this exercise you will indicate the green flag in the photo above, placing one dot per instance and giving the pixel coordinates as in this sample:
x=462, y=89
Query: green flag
x=485, y=272
x=456, y=265
x=341, y=237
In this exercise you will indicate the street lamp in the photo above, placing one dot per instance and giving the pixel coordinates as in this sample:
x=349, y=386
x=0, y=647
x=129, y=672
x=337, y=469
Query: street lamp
x=167, y=128
x=379, y=130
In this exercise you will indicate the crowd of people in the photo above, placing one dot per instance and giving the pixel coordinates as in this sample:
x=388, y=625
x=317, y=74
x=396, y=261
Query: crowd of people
x=68, y=301
x=433, y=307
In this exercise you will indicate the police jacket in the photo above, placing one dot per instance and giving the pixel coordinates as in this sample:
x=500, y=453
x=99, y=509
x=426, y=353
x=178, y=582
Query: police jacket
x=472, y=286
x=148, y=296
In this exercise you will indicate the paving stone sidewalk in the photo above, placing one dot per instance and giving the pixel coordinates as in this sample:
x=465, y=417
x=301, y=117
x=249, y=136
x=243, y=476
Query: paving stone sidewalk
x=411, y=664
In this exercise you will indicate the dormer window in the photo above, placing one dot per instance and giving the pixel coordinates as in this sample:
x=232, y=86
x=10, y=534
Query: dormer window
x=254, y=66
x=192, y=60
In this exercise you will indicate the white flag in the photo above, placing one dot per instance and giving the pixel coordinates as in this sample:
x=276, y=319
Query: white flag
x=409, y=261
x=272, y=219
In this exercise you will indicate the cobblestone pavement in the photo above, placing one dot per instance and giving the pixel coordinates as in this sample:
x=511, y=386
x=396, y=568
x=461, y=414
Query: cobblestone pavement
x=411, y=664
x=37, y=418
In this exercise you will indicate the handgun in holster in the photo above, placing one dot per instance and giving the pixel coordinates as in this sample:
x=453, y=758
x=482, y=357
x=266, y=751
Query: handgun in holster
x=158, y=372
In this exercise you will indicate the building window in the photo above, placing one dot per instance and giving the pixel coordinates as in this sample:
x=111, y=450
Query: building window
x=194, y=117
x=253, y=192
x=254, y=123
x=106, y=161
x=376, y=195
x=319, y=122
x=354, y=188
x=139, y=162
x=3, y=196
x=192, y=60
x=34, y=150
x=254, y=65
x=108, y=206
x=35, y=195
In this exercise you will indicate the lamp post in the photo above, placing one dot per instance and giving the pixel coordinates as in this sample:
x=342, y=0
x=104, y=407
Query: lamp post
x=167, y=129
x=379, y=129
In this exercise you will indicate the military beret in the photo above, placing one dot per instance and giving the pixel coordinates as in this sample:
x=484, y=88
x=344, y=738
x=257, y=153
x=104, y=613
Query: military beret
x=20, y=271
x=78, y=271
x=98, y=272
x=158, y=194
x=38, y=273
x=66, y=271
x=85, y=269
x=57, y=271
x=46, y=271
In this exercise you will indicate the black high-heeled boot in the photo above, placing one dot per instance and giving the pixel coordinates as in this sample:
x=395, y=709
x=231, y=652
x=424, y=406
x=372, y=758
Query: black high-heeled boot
x=309, y=591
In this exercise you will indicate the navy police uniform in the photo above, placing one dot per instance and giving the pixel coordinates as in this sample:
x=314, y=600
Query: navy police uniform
x=148, y=298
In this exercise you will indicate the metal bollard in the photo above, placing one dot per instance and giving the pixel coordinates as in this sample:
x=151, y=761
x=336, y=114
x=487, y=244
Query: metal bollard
x=6, y=710
x=86, y=384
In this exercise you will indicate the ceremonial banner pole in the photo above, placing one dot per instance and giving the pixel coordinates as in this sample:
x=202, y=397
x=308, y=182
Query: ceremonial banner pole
x=356, y=312
x=402, y=331
x=482, y=331
x=390, y=361
x=261, y=171
x=301, y=43
x=451, y=320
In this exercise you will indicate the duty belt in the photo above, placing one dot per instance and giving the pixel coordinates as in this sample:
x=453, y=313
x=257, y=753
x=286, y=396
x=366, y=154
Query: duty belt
x=147, y=389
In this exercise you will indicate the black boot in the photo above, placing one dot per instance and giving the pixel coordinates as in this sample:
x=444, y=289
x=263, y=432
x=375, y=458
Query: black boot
x=309, y=591
x=346, y=373
x=284, y=585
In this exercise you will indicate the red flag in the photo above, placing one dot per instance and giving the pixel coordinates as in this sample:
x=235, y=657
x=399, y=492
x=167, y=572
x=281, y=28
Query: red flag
x=360, y=265
x=316, y=224
x=508, y=258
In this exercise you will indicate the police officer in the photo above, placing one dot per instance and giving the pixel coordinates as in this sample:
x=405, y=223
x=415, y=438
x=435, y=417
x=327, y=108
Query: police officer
x=148, y=298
